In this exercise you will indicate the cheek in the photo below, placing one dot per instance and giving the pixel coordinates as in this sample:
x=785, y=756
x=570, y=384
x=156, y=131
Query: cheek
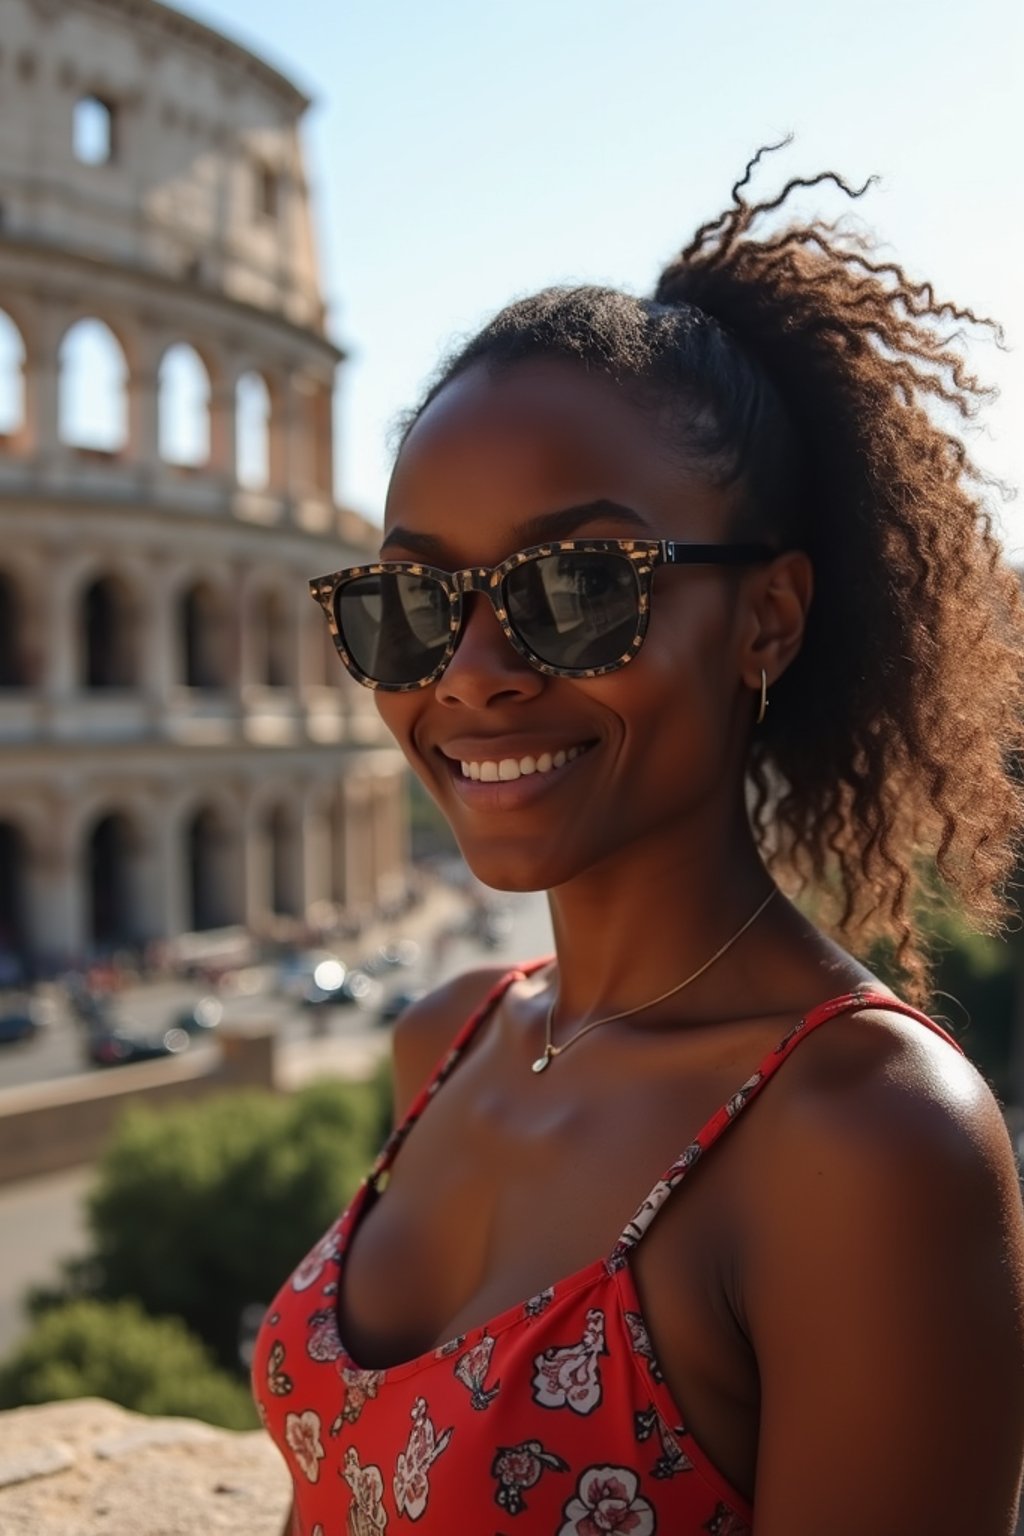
x=400, y=712
x=674, y=700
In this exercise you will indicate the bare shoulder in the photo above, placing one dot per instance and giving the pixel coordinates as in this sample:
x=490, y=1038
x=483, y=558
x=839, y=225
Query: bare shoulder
x=424, y=1031
x=883, y=1287
x=884, y=1104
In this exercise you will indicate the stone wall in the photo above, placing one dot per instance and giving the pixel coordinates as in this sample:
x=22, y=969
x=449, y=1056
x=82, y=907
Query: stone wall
x=88, y=1468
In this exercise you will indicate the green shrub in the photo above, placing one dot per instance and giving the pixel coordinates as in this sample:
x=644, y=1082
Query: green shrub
x=113, y=1350
x=203, y=1210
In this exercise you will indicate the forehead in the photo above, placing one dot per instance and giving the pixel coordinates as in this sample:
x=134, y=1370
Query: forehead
x=494, y=448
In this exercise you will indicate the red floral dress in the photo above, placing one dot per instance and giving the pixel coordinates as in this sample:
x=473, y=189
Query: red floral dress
x=552, y=1418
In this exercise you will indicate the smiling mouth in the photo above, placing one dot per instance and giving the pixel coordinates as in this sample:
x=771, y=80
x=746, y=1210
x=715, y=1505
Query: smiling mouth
x=506, y=769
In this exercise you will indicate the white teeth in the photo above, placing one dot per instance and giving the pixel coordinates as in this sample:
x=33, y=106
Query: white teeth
x=510, y=768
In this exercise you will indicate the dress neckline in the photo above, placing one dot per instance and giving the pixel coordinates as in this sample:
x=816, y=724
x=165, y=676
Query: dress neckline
x=613, y=1266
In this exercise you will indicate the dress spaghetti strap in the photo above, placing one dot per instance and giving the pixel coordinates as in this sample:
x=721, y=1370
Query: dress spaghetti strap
x=730, y=1111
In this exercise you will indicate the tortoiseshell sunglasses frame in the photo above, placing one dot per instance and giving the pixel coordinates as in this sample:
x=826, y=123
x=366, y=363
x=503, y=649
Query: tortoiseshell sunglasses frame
x=643, y=555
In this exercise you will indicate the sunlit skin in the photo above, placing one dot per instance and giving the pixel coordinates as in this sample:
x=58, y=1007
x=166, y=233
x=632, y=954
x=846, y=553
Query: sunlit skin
x=768, y=1337
x=649, y=823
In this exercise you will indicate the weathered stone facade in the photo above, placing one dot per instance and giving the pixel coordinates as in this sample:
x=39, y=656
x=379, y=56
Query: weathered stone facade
x=180, y=748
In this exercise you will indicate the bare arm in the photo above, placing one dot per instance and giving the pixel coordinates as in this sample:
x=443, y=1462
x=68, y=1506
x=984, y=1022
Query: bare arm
x=886, y=1308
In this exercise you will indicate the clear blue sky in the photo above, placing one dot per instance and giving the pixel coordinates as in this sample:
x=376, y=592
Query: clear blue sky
x=461, y=153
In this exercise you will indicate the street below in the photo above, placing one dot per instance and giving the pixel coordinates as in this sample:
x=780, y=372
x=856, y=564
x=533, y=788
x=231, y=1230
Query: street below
x=43, y=1220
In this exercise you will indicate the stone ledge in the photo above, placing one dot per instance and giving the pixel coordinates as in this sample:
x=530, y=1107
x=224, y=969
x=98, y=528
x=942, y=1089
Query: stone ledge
x=89, y=1468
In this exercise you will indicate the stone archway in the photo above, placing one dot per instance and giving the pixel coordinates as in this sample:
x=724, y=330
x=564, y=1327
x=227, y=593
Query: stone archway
x=205, y=638
x=14, y=918
x=13, y=668
x=212, y=885
x=111, y=875
x=109, y=652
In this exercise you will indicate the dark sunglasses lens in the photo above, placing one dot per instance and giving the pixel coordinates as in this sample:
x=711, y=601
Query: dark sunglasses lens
x=395, y=625
x=575, y=610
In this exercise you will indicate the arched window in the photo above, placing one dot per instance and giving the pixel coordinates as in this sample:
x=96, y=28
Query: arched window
x=252, y=432
x=93, y=131
x=205, y=639
x=13, y=902
x=93, y=408
x=339, y=889
x=280, y=835
x=272, y=648
x=13, y=671
x=12, y=377
x=212, y=860
x=111, y=853
x=108, y=631
x=183, y=386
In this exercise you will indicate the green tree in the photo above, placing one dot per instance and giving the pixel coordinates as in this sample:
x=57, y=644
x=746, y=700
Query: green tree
x=203, y=1210
x=114, y=1350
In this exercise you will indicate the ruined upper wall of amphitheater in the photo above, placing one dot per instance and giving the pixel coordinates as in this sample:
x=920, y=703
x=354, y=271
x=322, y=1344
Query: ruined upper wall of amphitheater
x=133, y=134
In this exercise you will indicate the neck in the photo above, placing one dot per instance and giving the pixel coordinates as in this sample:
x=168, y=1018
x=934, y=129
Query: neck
x=617, y=948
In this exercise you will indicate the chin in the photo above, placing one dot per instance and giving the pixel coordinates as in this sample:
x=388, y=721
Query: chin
x=510, y=869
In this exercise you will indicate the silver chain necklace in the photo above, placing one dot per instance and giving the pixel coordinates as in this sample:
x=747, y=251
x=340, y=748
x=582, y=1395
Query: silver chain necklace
x=551, y=1050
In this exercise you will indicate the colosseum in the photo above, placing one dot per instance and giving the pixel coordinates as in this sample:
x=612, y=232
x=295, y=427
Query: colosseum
x=181, y=749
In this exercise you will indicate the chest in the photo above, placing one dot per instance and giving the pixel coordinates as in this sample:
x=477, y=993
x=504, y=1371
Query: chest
x=497, y=1195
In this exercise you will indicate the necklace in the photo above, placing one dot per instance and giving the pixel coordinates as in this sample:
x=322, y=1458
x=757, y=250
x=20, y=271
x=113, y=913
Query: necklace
x=551, y=1050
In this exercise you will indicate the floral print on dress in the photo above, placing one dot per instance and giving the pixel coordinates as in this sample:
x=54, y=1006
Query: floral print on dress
x=471, y=1369
x=725, y=1522
x=641, y=1342
x=411, y=1482
x=568, y=1376
x=360, y=1386
x=327, y=1251
x=323, y=1342
x=742, y=1094
x=278, y=1381
x=302, y=1435
x=672, y=1458
x=366, y=1513
x=518, y=1467
x=539, y=1303
x=444, y=1350
x=649, y=1208
x=607, y=1499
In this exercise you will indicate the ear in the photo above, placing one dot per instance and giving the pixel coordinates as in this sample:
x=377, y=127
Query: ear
x=774, y=617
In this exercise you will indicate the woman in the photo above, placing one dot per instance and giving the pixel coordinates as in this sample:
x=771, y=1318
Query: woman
x=727, y=603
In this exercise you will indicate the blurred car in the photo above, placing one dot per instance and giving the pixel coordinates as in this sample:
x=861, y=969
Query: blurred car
x=399, y=954
x=333, y=985
x=394, y=1006
x=297, y=971
x=17, y=1025
x=118, y=1047
x=203, y=1016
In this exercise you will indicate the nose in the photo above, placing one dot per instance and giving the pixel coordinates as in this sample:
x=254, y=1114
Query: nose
x=486, y=668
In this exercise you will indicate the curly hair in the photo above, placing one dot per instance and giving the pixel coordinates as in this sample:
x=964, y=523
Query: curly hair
x=813, y=380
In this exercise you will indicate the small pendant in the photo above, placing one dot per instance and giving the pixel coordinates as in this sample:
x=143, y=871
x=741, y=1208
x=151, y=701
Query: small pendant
x=541, y=1062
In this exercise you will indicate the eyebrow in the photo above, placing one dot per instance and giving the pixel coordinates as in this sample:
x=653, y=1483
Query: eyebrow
x=533, y=530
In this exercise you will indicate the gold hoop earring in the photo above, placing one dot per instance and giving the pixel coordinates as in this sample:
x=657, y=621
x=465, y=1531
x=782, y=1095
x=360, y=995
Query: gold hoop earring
x=764, y=698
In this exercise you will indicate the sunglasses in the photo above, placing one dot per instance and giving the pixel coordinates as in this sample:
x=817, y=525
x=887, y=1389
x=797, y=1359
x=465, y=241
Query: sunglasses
x=572, y=608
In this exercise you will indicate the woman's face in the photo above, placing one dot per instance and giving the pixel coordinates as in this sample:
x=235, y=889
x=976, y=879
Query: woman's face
x=658, y=741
